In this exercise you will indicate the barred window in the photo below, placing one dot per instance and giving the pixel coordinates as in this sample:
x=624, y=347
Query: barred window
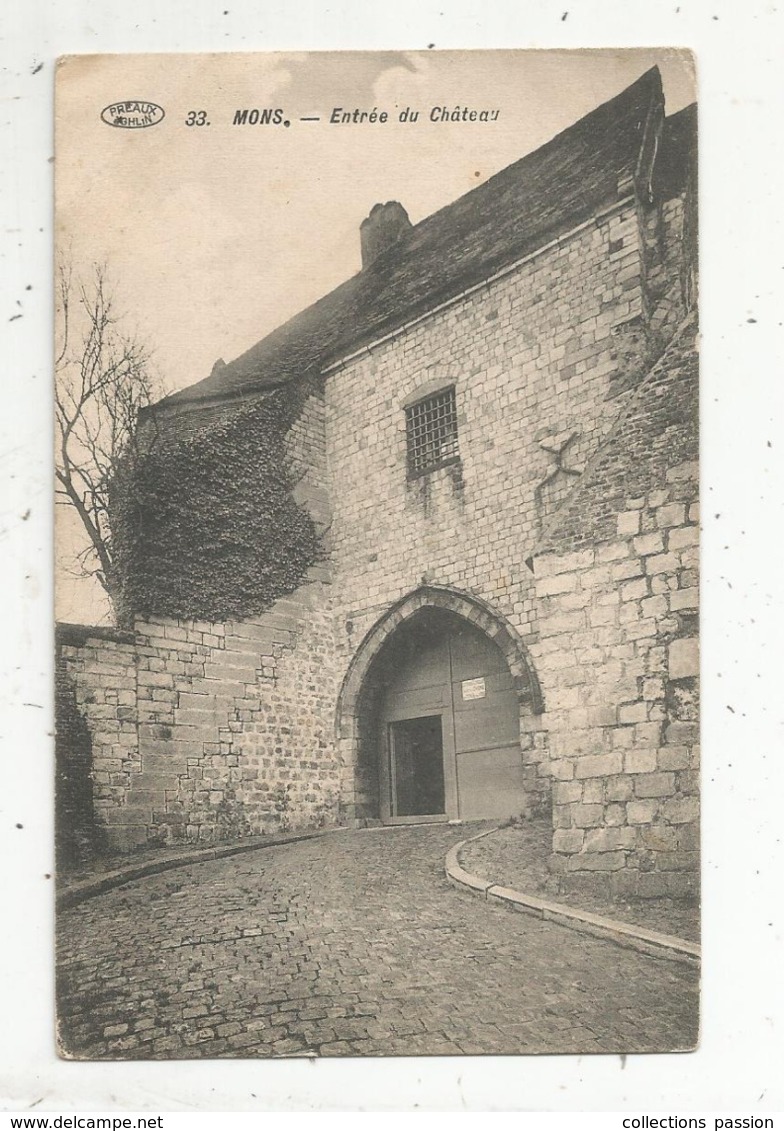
x=431, y=432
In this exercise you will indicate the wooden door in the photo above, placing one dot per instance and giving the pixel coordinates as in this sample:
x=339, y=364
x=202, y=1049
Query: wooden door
x=447, y=687
x=417, y=767
x=486, y=712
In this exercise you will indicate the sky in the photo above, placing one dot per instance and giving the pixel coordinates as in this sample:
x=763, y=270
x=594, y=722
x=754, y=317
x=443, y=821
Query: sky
x=213, y=235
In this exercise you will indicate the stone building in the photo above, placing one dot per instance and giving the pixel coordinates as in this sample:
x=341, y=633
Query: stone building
x=500, y=444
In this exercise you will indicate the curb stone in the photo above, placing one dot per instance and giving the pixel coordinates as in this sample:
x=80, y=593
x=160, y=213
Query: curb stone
x=83, y=890
x=623, y=934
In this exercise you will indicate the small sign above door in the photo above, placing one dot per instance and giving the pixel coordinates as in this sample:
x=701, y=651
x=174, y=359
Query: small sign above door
x=473, y=688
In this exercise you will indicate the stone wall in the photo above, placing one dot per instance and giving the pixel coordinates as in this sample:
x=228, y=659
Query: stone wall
x=202, y=731
x=533, y=356
x=617, y=657
x=207, y=732
x=97, y=738
x=575, y=458
x=234, y=722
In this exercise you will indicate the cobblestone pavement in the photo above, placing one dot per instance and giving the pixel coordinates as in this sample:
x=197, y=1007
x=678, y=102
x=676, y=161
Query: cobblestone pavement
x=350, y=944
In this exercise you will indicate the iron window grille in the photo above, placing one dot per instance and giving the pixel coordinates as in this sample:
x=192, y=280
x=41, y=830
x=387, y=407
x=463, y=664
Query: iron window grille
x=431, y=432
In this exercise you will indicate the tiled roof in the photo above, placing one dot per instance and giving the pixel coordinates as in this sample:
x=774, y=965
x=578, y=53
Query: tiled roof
x=677, y=159
x=517, y=211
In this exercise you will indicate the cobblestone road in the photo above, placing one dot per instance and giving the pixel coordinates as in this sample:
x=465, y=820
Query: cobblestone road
x=351, y=944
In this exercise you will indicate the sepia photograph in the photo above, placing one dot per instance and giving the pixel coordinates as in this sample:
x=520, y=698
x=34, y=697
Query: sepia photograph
x=377, y=554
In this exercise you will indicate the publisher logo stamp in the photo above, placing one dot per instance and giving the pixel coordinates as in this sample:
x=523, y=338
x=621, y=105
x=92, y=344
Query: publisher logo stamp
x=133, y=114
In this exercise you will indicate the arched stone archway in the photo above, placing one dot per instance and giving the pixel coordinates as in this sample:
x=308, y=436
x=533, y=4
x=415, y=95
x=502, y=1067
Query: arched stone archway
x=356, y=717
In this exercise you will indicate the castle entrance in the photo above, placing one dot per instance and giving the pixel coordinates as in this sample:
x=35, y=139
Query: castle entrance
x=447, y=723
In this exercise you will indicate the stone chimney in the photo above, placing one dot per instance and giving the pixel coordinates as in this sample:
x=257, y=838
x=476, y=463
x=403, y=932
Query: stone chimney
x=381, y=229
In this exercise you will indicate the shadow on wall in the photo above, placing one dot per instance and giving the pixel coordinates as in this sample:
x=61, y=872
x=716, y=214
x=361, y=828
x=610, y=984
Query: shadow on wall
x=79, y=839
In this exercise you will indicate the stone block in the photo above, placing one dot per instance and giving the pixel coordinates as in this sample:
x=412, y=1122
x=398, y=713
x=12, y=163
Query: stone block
x=561, y=769
x=128, y=815
x=163, y=764
x=602, y=716
x=206, y=721
x=147, y=797
x=155, y=679
x=659, y=838
x=615, y=815
x=154, y=781
x=642, y=630
x=633, y=713
x=654, y=785
x=673, y=514
x=681, y=811
x=188, y=702
x=562, y=623
x=612, y=552
x=641, y=812
x=549, y=564
x=236, y=658
x=125, y=838
x=560, y=583
x=688, y=837
x=599, y=765
x=634, y=590
x=682, y=537
x=587, y=816
x=573, y=743
x=681, y=734
x=563, y=698
x=662, y=563
x=567, y=840
x=673, y=758
x=175, y=632
x=622, y=738
x=603, y=615
x=622, y=571
x=593, y=791
x=652, y=885
x=628, y=523
x=652, y=688
x=684, y=600
x=629, y=613
x=684, y=657
x=678, y=861
x=596, y=862
x=562, y=817
x=596, y=578
x=688, y=781
x=648, y=544
x=577, y=600
x=610, y=839
x=233, y=676
x=564, y=792
x=653, y=607
x=647, y=735
x=640, y=761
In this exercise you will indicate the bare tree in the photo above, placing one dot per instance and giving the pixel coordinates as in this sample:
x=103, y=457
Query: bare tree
x=102, y=379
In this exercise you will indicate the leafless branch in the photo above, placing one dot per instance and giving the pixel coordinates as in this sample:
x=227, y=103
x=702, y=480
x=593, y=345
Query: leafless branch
x=103, y=379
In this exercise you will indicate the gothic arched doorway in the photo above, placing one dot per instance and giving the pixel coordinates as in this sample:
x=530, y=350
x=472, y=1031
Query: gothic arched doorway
x=431, y=714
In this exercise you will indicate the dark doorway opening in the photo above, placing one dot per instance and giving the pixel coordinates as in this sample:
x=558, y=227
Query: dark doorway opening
x=417, y=767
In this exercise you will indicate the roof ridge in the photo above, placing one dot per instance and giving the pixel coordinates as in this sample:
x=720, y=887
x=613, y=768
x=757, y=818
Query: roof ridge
x=648, y=77
x=510, y=215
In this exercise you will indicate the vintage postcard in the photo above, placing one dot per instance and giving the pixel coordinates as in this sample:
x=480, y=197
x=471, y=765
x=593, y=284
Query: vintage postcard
x=377, y=553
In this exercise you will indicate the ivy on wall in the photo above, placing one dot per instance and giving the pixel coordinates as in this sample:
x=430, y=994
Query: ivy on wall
x=205, y=526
